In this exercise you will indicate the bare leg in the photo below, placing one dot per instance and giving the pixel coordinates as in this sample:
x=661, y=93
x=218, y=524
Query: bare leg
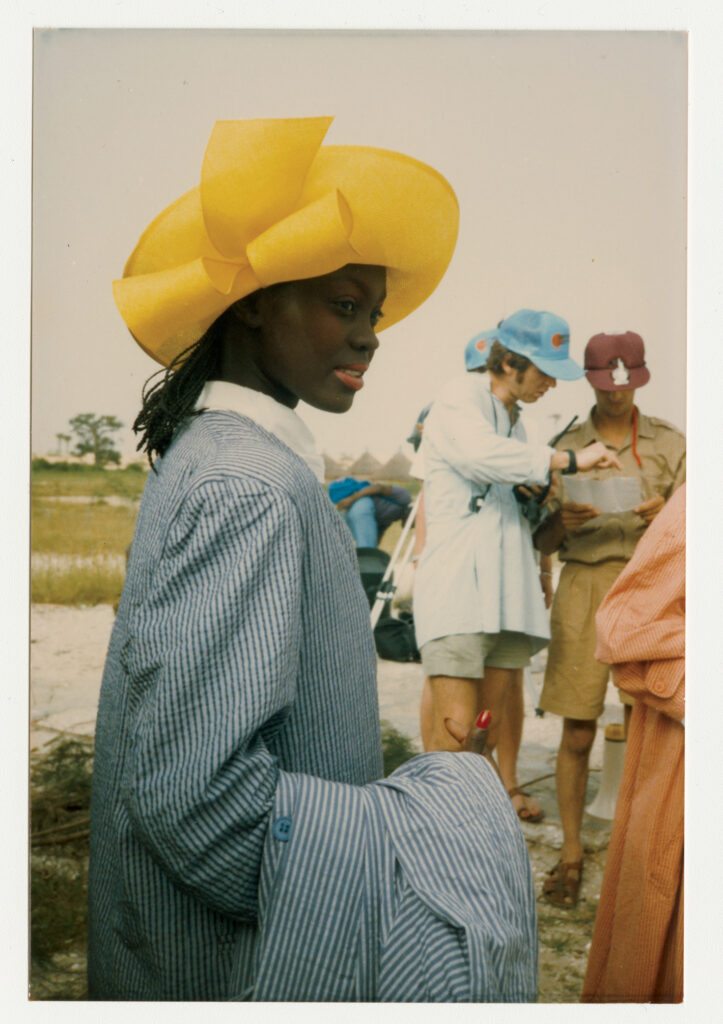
x=493, y=693
x=462, y=700
x=508, y=747
x=449, y=697
x=511, y=732
x=573, y=758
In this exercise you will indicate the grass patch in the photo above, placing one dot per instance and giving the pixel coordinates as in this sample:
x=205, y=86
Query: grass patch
x=89, y=539
x=84, y=529
x=65, y=479
x=77, y=585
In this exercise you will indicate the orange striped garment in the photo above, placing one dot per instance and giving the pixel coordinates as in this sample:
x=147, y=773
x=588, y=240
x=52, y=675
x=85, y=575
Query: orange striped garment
x=637, y=946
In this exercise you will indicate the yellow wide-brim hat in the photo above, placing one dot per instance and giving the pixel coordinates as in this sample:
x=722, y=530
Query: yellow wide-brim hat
x=275, y=205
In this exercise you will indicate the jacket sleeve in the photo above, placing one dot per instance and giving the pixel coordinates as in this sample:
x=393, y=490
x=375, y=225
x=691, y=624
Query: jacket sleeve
x=212, y=659
x=641, y=622
x=460, y=433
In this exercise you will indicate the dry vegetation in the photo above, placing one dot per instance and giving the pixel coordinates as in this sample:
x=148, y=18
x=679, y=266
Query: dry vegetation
x=59, y=816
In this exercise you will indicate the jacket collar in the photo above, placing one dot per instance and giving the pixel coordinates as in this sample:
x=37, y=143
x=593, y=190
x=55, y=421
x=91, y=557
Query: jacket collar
x=278, y=419
x=588, y=432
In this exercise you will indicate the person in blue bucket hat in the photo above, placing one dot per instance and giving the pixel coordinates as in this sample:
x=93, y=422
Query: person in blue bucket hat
x=544, y=339
x=478, y=607
x=476, y=353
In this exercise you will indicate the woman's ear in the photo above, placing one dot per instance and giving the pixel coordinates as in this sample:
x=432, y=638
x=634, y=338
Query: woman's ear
x=247, y=310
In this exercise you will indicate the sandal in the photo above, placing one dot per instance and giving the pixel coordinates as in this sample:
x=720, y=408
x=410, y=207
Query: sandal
x=524, y=814
x=562, y=885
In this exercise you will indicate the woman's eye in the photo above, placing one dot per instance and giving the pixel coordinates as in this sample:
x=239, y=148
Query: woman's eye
x=376, y=317
x=346, y=306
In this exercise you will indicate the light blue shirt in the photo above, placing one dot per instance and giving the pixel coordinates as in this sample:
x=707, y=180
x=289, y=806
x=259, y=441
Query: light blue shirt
x=478, y=573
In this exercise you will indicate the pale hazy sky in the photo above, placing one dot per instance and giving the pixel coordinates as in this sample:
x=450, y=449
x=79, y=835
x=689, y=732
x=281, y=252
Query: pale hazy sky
x=567, y=151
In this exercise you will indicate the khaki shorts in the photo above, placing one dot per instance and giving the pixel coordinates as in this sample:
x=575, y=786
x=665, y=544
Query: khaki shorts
x=464, y=655
x=575, y=683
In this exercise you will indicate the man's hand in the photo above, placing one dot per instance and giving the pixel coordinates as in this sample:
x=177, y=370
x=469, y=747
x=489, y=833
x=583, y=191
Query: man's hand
x=574, y=516
x=650, y=508
x=596, y=454
x=548, y=590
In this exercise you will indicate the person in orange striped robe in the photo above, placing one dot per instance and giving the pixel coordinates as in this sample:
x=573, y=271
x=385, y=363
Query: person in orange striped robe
x=637, y=946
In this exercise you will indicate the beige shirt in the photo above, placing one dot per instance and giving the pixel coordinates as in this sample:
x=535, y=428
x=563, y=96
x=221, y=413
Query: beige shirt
x=661, y=448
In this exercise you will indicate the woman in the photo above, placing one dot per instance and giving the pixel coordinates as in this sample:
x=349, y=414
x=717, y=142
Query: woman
x=241, y=663
x=636, y=954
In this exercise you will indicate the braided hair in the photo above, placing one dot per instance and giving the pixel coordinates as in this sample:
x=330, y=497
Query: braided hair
x=170, y=400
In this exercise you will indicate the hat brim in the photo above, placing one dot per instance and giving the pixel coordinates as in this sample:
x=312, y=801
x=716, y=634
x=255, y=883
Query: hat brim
x=560, y=369
x=602, y=379
x=275, y=205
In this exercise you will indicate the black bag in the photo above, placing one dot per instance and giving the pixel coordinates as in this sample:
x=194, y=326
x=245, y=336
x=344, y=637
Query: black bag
x=372, y=566
x=395, y=639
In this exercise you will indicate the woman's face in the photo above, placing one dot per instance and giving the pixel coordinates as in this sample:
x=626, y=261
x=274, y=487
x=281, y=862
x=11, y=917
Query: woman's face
x=314, y=339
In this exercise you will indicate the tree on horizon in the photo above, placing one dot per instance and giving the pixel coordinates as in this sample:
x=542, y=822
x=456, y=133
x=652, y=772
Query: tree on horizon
x=94, y=437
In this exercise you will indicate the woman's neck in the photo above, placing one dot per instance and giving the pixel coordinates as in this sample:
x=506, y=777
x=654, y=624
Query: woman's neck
x=236, y=365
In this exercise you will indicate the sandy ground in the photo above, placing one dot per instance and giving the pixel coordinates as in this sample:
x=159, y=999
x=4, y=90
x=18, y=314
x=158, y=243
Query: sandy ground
x=68, y=648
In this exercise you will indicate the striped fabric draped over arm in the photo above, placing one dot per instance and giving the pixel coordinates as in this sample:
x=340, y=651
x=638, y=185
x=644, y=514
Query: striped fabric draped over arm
x=414, y=889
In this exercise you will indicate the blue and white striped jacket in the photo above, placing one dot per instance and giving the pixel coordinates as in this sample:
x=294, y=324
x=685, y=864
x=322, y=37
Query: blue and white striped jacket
x=240, y=688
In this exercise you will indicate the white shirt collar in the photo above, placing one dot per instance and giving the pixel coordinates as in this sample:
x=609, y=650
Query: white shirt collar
x=278, y=419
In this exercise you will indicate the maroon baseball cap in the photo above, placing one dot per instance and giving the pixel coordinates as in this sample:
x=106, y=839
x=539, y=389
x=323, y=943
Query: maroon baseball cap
x=616, y=362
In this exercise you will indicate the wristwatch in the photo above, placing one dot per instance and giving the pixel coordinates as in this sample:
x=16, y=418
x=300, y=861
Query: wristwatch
x=572, y=468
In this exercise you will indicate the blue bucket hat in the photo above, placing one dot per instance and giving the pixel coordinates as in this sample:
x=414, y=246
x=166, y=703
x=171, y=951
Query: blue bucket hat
x=477, y=349
x=544, y=338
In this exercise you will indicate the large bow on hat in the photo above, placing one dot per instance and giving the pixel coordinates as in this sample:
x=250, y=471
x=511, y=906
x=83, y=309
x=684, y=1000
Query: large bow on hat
x=275, y=205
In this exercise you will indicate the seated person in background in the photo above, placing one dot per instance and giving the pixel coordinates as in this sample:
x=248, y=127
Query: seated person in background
x=369, y=509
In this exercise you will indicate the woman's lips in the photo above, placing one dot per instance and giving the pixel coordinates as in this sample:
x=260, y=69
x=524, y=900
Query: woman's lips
x=351, y=376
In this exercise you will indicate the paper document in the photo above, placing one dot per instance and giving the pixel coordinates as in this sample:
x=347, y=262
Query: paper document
x=616, y=494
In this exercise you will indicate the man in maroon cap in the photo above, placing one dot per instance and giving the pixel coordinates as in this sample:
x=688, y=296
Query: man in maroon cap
x=594, y=548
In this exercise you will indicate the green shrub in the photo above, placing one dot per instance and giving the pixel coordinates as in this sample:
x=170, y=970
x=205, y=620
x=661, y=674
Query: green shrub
x=396, y=748
x=60, y=467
